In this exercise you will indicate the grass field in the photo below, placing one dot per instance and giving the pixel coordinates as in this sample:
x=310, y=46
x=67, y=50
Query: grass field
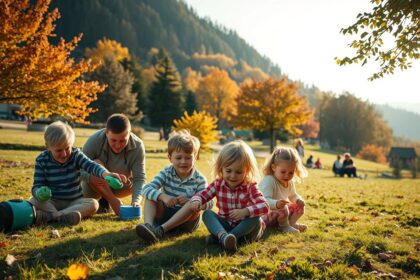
x=363, y=229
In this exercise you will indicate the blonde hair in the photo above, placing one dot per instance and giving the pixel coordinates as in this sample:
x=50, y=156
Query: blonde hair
x=182, y=140
x=237, y=151
x=58, y=133
x=283, y=154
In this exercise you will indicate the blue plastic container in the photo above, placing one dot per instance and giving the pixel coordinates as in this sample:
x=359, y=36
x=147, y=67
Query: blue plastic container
x=16, y=214
x=128, y=212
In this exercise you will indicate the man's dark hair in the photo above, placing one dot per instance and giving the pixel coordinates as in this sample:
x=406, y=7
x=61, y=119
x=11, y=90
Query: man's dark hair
x=118, y=123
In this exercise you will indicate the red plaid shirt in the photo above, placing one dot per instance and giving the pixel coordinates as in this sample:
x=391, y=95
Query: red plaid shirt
x=247, y=195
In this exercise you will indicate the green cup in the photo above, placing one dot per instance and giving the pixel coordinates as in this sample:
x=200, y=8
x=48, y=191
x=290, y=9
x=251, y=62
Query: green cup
x=114, y=183
x=43, y=194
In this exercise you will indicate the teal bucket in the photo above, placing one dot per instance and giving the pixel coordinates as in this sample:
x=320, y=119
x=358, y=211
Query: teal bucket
x=16, y=214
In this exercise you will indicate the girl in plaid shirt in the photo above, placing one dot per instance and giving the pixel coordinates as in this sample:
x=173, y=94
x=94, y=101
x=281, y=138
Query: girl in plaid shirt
x=239, y=201
x=282, y=170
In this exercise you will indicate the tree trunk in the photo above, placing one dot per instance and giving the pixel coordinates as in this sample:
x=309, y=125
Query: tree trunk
x=272, y=139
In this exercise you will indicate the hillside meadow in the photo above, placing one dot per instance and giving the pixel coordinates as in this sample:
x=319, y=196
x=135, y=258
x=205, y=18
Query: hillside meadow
x=357, y=229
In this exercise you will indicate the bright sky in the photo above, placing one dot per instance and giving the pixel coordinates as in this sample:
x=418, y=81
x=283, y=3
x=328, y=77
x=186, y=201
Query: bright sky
x=302, y=37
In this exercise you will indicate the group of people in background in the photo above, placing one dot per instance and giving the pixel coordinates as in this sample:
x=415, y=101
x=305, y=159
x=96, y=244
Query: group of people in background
x=68, y=183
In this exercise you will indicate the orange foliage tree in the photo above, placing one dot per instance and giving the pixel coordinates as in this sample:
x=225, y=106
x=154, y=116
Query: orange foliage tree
x=373, y=153
x=37, y=75
x=107, y=48
x=271, y=105
x=216, y=94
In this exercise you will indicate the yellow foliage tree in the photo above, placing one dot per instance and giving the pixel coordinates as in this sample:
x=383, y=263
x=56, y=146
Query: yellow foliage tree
x=201, y=125
x=216, y=94
x=107, y=48
x=37, y=75
x=271, y=105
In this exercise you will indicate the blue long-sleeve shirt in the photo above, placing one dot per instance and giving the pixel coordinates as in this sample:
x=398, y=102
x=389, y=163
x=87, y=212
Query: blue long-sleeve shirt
x=168, y=182
x=63, y=178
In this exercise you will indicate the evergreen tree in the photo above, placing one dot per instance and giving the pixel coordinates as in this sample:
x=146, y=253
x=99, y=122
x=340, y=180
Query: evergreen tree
x=132, y=65
x=165, y=95
x=190, y=103
x=117, y=97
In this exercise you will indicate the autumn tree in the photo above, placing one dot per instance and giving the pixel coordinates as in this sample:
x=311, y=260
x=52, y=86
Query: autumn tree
x=310, y=129
x=118, y=97
x=201, y=125
x=216, y=94
x=350, y=123
x=166, y=102
x=39, y=76
x=270, y=106
x=138, y=88
x=107, y=48
x=396, y=20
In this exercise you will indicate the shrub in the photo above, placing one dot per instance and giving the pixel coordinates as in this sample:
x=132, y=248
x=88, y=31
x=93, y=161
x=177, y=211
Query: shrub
x=372, y=153
x=139, y=131
x=201, y=125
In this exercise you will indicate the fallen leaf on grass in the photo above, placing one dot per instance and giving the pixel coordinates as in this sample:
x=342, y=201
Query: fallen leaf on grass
x=221, y=275
x=78, y=271
x=269, y=276
x=3, y=244
x=253, y=256
x=273, y=251
x=355, y=270
x=290, y=260
x=55, y=234
x=10, y=260
x=353, y=219
x=386, y=256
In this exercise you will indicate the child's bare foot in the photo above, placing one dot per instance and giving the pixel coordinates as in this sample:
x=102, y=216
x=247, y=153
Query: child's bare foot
x=288, y=229
x=300, y=227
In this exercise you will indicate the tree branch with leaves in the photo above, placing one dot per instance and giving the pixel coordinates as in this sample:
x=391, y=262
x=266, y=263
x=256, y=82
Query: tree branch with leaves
x=399, y=19
x=37, y=75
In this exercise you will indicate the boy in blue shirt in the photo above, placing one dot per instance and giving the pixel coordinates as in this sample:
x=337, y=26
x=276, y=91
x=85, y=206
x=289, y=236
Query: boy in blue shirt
x=167, y=194
x=57, y=194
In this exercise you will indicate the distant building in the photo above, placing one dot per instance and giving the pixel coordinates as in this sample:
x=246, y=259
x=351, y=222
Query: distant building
x=404, y=155
x=8, y=111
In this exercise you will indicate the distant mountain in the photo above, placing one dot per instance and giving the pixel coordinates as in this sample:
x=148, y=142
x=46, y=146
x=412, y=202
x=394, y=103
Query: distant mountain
x=144, y=24
x=403, y=123
x=412, y=107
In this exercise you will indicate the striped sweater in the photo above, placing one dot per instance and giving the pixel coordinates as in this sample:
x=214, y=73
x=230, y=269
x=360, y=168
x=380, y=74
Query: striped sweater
x=168, y=182
x=63, y=178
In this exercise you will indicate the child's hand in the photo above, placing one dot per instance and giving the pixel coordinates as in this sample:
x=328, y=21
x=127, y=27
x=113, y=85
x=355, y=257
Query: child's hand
x=120, y=177
x=281, y=203
x=238, y=214
x=182, y=200
x=195, y=205
x=42, y=194
x=300, y=202
x=170, y=201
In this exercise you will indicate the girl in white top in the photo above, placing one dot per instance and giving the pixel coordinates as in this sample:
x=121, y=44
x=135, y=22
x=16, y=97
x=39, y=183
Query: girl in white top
x=282, y=170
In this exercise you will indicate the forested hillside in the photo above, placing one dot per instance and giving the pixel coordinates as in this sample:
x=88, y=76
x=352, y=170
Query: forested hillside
x=403, y=123
x=144, y=24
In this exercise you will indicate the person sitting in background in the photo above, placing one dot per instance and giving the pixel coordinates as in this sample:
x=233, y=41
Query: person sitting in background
x=348, y=166
x=337, y=166
x=318, y=164
x=299, y=148
x=310, y=162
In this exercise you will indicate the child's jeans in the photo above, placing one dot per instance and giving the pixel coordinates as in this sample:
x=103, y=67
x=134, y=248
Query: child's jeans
x=248, y=230
x=86, y=206
x=273, y=217
x=168, y=212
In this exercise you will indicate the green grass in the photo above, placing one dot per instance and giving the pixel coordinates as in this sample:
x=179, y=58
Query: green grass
x=350, y=222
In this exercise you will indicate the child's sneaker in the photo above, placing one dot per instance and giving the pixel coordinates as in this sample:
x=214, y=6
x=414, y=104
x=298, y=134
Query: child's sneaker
x=229, y=242
x=288, y=229
x=149, y=233
x=211, y=239
x=43, y=217
x=72, y=218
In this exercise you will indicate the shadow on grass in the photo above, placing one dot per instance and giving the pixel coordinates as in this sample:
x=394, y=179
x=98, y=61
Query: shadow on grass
x=119, y=253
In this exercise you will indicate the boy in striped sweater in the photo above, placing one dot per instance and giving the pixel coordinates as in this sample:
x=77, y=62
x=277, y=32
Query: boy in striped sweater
x=167, y=194
x=57, y=194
